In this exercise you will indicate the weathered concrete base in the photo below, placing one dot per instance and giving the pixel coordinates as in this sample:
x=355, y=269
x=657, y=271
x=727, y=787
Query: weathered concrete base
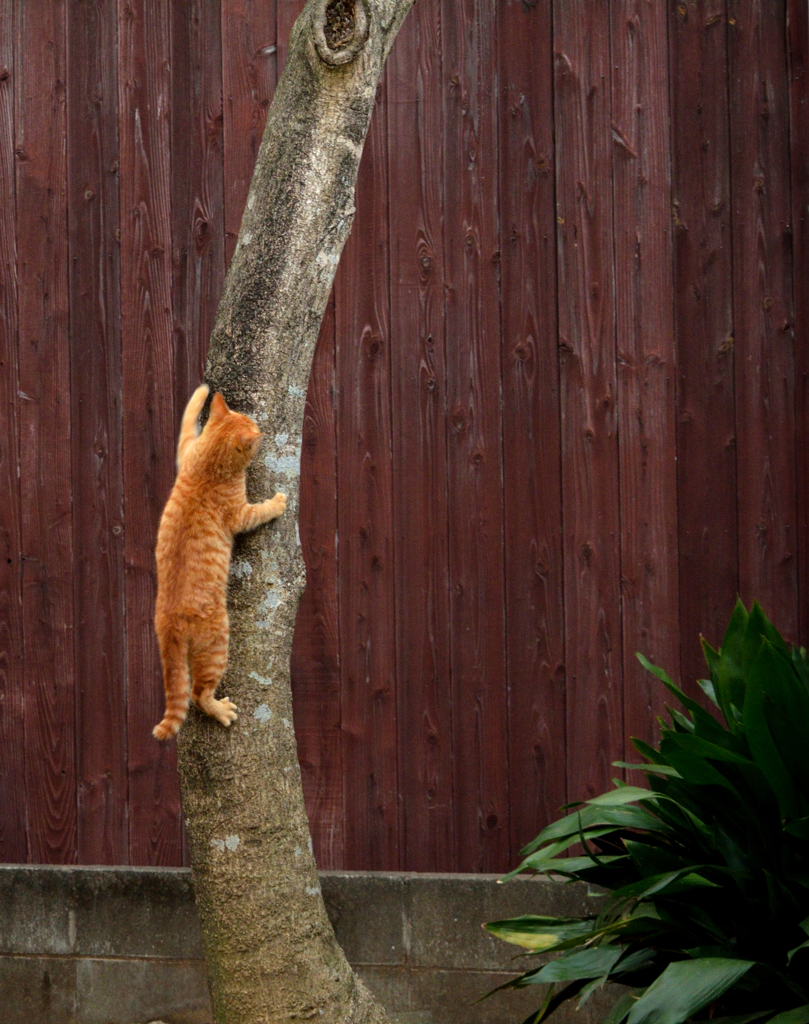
x=122, y=945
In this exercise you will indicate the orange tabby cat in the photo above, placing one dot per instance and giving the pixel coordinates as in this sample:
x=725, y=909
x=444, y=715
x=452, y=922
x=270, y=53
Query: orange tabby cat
x=206, y=508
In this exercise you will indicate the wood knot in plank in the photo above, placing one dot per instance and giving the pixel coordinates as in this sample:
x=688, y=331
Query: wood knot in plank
x=341, y=30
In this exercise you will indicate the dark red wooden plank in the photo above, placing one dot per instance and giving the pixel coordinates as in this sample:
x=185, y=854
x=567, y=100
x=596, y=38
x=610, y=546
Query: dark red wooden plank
x=149, y=420
x=762, y=306
x=316, y=650
x=249, y=55
x=288, y=11
x=96, y=427
x=646, y=357
x=706, y=440
x=366, y=600
x=474, y=431
x=13, y=804
x=798, y=60
x=588, y=390
x=531, y=429
x=44, y=369
x=418, y=395
x=197, y=203
x=197, y=170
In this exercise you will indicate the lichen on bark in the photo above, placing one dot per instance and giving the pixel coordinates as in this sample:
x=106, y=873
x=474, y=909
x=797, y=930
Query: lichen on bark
x=271, y=952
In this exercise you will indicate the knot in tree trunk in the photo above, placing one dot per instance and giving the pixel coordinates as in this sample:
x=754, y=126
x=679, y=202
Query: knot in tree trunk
x=341, y=30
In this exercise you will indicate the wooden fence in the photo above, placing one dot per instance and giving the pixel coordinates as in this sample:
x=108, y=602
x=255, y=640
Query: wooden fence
x=558, y=412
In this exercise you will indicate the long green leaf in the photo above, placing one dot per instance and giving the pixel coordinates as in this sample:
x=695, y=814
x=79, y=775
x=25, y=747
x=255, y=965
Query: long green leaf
x=589, y=988
x=536, y=860
x=744, y=1018
x=595, y=817
x=728, y=674
x=762, y=745
x=621, y=1007
x=693, y=768
x=538, y=933
x=800, y=1015
x=759, y=625
x=686, y=701
x=570, y=865
x=711, y=751
x=661, y=769
x=554, y=1000
x=671, y=882
x=685, y=987
x=651, y=755
x=584, y=964
x=787, y=711
x=703, y=722
x=707, y=687
x=799, y=827
x=640, y=958
x=650, y=859
x=541, y=1013
x=792, y=952
x=619, y=797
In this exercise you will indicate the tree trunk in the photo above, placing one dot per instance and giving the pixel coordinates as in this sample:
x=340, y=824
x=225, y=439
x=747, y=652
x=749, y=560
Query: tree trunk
x=271, y=952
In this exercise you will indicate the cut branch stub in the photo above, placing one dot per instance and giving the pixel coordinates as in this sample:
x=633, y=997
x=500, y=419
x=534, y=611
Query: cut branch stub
x=341, y=30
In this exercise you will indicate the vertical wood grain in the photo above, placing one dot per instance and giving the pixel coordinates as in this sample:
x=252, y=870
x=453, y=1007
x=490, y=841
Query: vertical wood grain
x=419, y=395
x=13, y=800
x=475, y=643
x=197, y=199
x=531, y=427
x=316, y=650
x=798, y=63
x=96, y=417
x=45, y=431
x=474, y=436
x=646, y=370
x=762, y=305
x=590, y=476
x=149, y=416
x=197, y=174
x=365, y=538
x=287, y=15
x=703, y=321
x=249, y=65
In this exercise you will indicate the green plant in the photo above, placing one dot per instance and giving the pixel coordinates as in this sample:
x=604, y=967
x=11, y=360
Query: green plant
x=707, y=912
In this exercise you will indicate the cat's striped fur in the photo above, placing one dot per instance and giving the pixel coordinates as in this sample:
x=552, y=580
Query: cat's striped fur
x=206, y=508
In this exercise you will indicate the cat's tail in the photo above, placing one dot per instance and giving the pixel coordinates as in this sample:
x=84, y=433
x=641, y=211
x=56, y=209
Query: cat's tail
x=174, y=652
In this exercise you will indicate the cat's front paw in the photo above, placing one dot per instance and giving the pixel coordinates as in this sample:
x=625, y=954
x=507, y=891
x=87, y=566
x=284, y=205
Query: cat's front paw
x=224, y=711
x=278, y=505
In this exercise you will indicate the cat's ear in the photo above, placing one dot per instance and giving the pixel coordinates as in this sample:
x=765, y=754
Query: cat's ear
x=250, y=439
x=219, y=408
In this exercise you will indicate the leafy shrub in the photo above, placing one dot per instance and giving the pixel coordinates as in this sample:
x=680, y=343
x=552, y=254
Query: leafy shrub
x=708, y=871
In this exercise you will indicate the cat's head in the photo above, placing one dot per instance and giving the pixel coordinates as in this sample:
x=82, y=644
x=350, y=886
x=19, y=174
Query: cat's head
x=233, y=437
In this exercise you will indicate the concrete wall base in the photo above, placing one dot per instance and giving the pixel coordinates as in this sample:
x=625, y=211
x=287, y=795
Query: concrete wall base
x=122, y=945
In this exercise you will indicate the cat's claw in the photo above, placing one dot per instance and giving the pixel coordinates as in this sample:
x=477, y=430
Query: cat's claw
x=225, y=711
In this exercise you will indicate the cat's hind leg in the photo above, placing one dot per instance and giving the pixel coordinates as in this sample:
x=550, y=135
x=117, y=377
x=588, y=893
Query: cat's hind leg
x=174, y=655
x=208, y=655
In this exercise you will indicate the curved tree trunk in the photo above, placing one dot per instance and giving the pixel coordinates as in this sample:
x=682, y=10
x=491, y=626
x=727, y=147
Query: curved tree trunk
x=271, y=952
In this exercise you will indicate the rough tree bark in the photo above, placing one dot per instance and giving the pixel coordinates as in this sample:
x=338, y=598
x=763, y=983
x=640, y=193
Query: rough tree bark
x=271, y=951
